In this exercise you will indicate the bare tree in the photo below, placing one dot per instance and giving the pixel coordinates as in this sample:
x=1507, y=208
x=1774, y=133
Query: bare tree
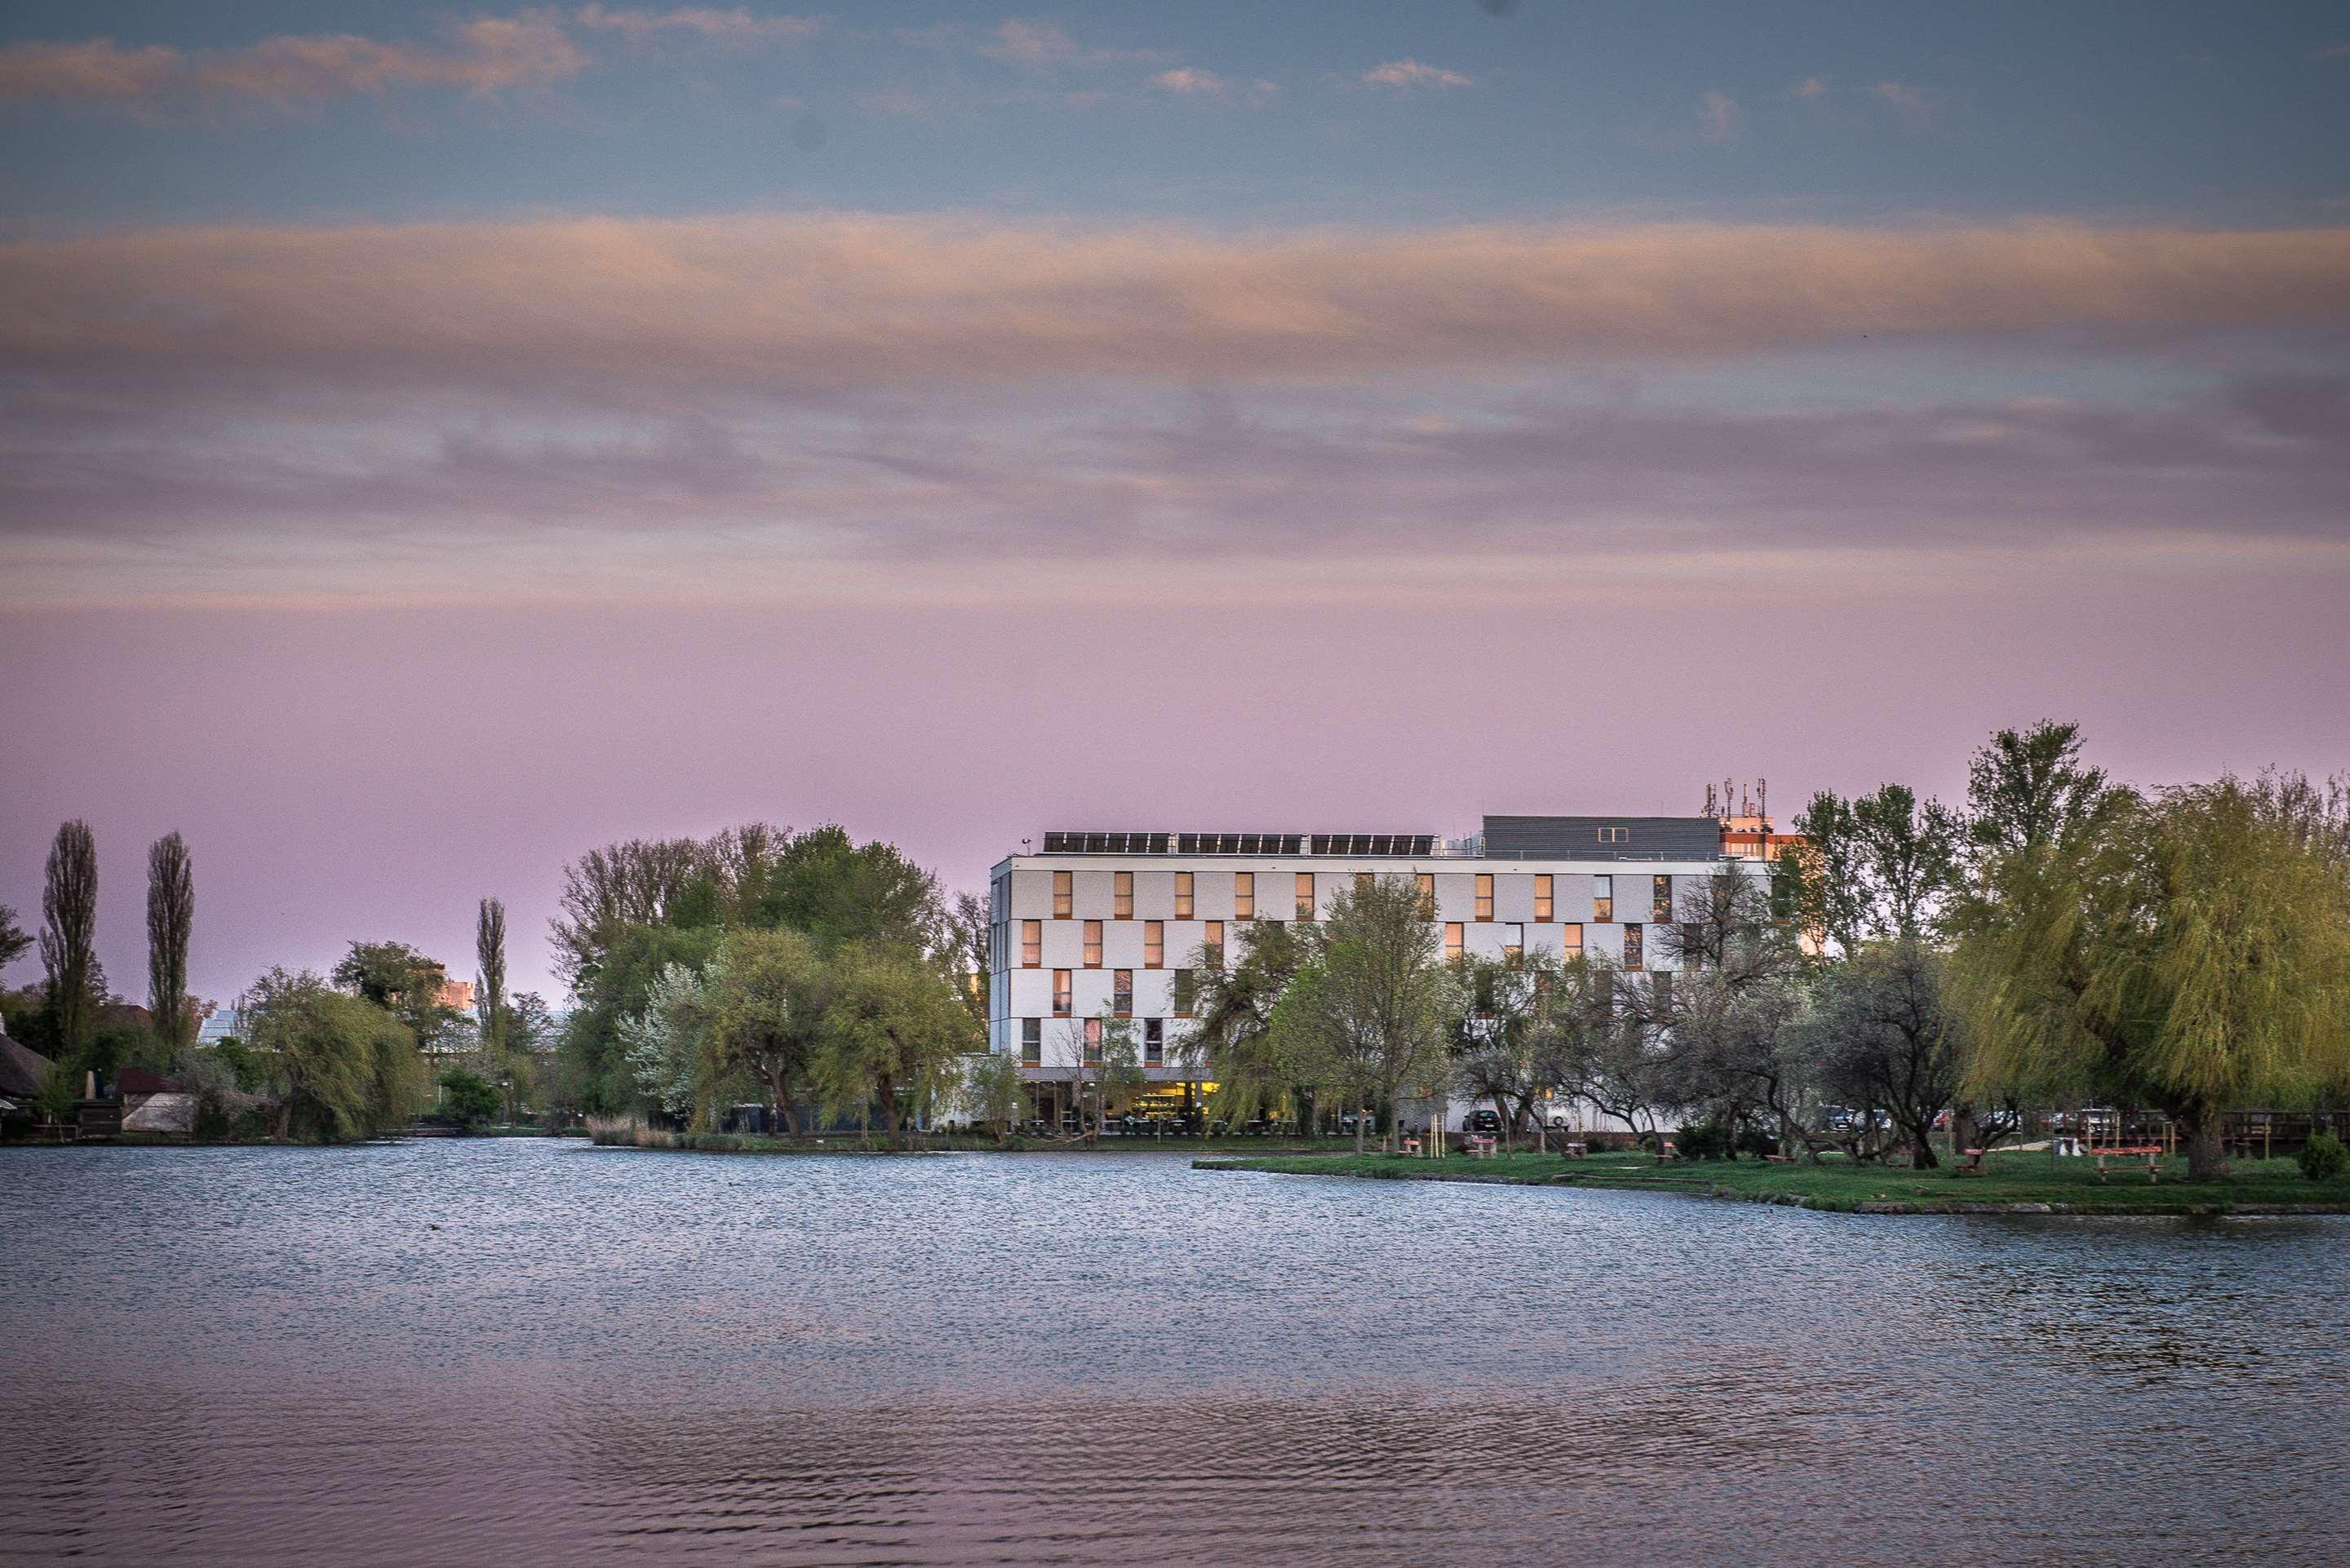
x=68, y=936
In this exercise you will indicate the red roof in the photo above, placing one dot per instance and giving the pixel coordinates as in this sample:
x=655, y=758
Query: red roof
x=140, y=1081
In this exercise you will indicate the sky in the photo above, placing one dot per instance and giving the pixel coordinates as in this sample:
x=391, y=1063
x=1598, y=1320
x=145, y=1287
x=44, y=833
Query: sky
x=437, y=442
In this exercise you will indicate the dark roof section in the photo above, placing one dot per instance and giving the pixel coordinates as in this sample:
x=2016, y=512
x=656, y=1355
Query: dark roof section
x=1603, y=838
x=1352, y=845
x=142, y=1081
x=21, y=1069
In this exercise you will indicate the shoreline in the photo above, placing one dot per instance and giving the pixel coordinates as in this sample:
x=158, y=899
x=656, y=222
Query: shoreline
x=1813, y=1188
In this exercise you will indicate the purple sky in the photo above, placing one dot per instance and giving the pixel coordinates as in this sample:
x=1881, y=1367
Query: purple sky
x=435, y=443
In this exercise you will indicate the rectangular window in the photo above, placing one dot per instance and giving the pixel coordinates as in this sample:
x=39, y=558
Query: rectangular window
x=1632, y=947
x=1614, y=835
x=1031, y=1041
x=1154, y=943
x=1093, y=1042
x=1542, y=898
x=1032, y=944
x=1064, y=893
x=1484, y=895
x=1154, y=1042
x=1182, y=894
x=1061, y=992
x=1514, y=943
x=1427, y=880
x=1093, y=944
x=1243, y=895
x=1305, y=894
x=1211, y=943
x=1122, y=993
x=1603, y=898
x=1121, y=895
x=1453, y=935
x=1186, y=992
x=1570, y=936
x=1660, y=901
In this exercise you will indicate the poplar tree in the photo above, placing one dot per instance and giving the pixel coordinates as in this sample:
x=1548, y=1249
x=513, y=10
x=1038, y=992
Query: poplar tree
x=171, y=916
x=490, y=989
x=68, y=936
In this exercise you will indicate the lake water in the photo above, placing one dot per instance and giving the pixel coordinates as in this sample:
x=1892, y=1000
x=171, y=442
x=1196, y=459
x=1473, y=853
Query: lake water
x=530, y=1351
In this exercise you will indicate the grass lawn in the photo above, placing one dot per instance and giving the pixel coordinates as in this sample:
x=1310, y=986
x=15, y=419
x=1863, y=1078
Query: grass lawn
x=2009, y=1178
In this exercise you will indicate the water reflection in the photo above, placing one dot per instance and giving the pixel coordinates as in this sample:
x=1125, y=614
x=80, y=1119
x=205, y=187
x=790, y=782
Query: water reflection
x=531, y=1353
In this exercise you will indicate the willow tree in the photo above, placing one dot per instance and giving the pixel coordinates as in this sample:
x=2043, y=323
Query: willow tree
x=68, y=937
x=2188, y=952
x=171, y=916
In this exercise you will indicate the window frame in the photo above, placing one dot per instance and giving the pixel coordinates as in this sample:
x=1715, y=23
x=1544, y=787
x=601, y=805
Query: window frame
x=1121, y=895
x=1183, y=895
x=1093, y=940
x=1031, y=1041
x=1544, y=903
x=1485, y=896
x=1307, y=895
x=1064, y=895
x=1064, y=992
x=1122, y=993
x=1243, y=895
x=1154, y=944
x=1456, y=941
x=1032, y=944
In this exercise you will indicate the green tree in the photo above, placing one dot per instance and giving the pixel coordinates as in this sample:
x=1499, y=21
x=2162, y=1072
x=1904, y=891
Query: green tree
x=764, y=998
x=593, y=1058
x=892, y=1037
x=343, y=1067
x=1231, y=1044
x=1365, y=1016
x=1881, y=864
x=171, y=917
x=2188, y=950
x=2027, y=789
x=69, y=939
x=14, y=938
x=403, y=983
x=490, y=976
x=995, y=1092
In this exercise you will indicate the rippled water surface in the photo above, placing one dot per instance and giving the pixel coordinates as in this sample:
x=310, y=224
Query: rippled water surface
x=522, y=1352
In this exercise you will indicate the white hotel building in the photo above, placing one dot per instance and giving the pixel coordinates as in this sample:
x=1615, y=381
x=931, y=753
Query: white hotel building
x=1108, y=923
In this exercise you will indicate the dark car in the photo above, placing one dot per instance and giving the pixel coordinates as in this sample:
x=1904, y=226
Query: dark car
x=1483, y=1122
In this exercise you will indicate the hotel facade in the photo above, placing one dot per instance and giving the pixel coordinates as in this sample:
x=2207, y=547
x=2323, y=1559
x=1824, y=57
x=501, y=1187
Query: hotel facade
x=1116, y=924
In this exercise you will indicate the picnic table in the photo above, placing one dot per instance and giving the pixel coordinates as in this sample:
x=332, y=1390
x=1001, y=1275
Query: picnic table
x=2150, y=1152
x=1482, y=1144
x=1972, y=1164
x=1412, y=1146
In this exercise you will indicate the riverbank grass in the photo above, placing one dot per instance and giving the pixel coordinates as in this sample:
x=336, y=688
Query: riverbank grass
x=2021, y=1182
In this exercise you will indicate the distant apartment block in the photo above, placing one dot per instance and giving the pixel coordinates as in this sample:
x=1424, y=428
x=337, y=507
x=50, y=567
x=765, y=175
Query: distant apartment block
x=1111, y=923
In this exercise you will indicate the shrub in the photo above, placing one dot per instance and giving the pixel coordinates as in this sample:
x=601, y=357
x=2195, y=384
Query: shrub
x=469, y=1097
x=2324, y=1158
x=1703, y=1140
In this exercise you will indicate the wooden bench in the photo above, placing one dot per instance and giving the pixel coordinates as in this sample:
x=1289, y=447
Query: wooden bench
x=1578, y=1150
x=1971, y=1165
x=1778, y=1159
x=2149, y=1152
x=1482, y=1144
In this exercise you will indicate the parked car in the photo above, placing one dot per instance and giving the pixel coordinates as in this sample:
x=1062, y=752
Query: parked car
x=1483, y=1122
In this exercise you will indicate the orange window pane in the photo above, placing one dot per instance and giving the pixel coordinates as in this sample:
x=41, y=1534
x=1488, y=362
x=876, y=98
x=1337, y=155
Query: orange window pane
x=1453, y=937
x=1182, y=894
x=1093, y=944
x=1484, y=895
x=1121, y=896
x=1032, y=944
x=1305, y=894
x=1541, y=898
x=1062, y=894
x=1154, y=943
x=1244, y=895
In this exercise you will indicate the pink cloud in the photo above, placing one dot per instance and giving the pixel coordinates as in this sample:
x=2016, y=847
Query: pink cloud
x=1406, y=74
x=738, y=25
x=1719, y=118
x=1185, y=80
x=484, y=55
x=844, y=300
